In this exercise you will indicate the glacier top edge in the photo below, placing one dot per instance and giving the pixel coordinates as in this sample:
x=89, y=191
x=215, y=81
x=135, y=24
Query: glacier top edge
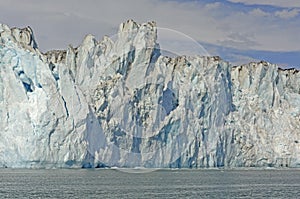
x=24, y=38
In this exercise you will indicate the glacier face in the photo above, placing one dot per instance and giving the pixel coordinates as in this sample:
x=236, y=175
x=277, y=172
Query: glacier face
x=121, y=103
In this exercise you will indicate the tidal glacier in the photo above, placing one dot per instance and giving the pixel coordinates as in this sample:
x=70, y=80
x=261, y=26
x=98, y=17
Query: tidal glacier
x=123, y=104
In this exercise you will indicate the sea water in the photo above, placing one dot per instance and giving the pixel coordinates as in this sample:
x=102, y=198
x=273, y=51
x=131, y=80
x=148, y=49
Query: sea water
x=109, y=183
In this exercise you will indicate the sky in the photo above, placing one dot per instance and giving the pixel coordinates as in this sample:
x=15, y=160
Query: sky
x=240, y=31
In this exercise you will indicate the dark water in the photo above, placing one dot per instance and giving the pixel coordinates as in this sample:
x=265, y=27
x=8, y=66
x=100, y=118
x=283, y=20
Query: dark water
x=105, y=183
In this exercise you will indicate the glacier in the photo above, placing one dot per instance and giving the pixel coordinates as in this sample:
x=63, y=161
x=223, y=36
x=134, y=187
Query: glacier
x=121, y=103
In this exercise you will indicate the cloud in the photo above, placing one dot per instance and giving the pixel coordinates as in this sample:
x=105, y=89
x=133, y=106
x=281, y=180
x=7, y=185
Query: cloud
x=59, y=23
x=257, y=12
x=276, y=3
x=239, y=40
x=55, y=21
x=213, y=5
x=283, y=14
x=287, y=14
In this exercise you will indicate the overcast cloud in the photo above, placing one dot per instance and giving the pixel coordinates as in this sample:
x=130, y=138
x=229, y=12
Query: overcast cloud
x=239, y=24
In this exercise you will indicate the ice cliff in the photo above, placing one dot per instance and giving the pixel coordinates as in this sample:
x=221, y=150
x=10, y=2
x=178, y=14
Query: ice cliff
x=121, y=103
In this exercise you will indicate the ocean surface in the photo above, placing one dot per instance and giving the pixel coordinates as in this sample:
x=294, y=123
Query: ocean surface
x=109, y=183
